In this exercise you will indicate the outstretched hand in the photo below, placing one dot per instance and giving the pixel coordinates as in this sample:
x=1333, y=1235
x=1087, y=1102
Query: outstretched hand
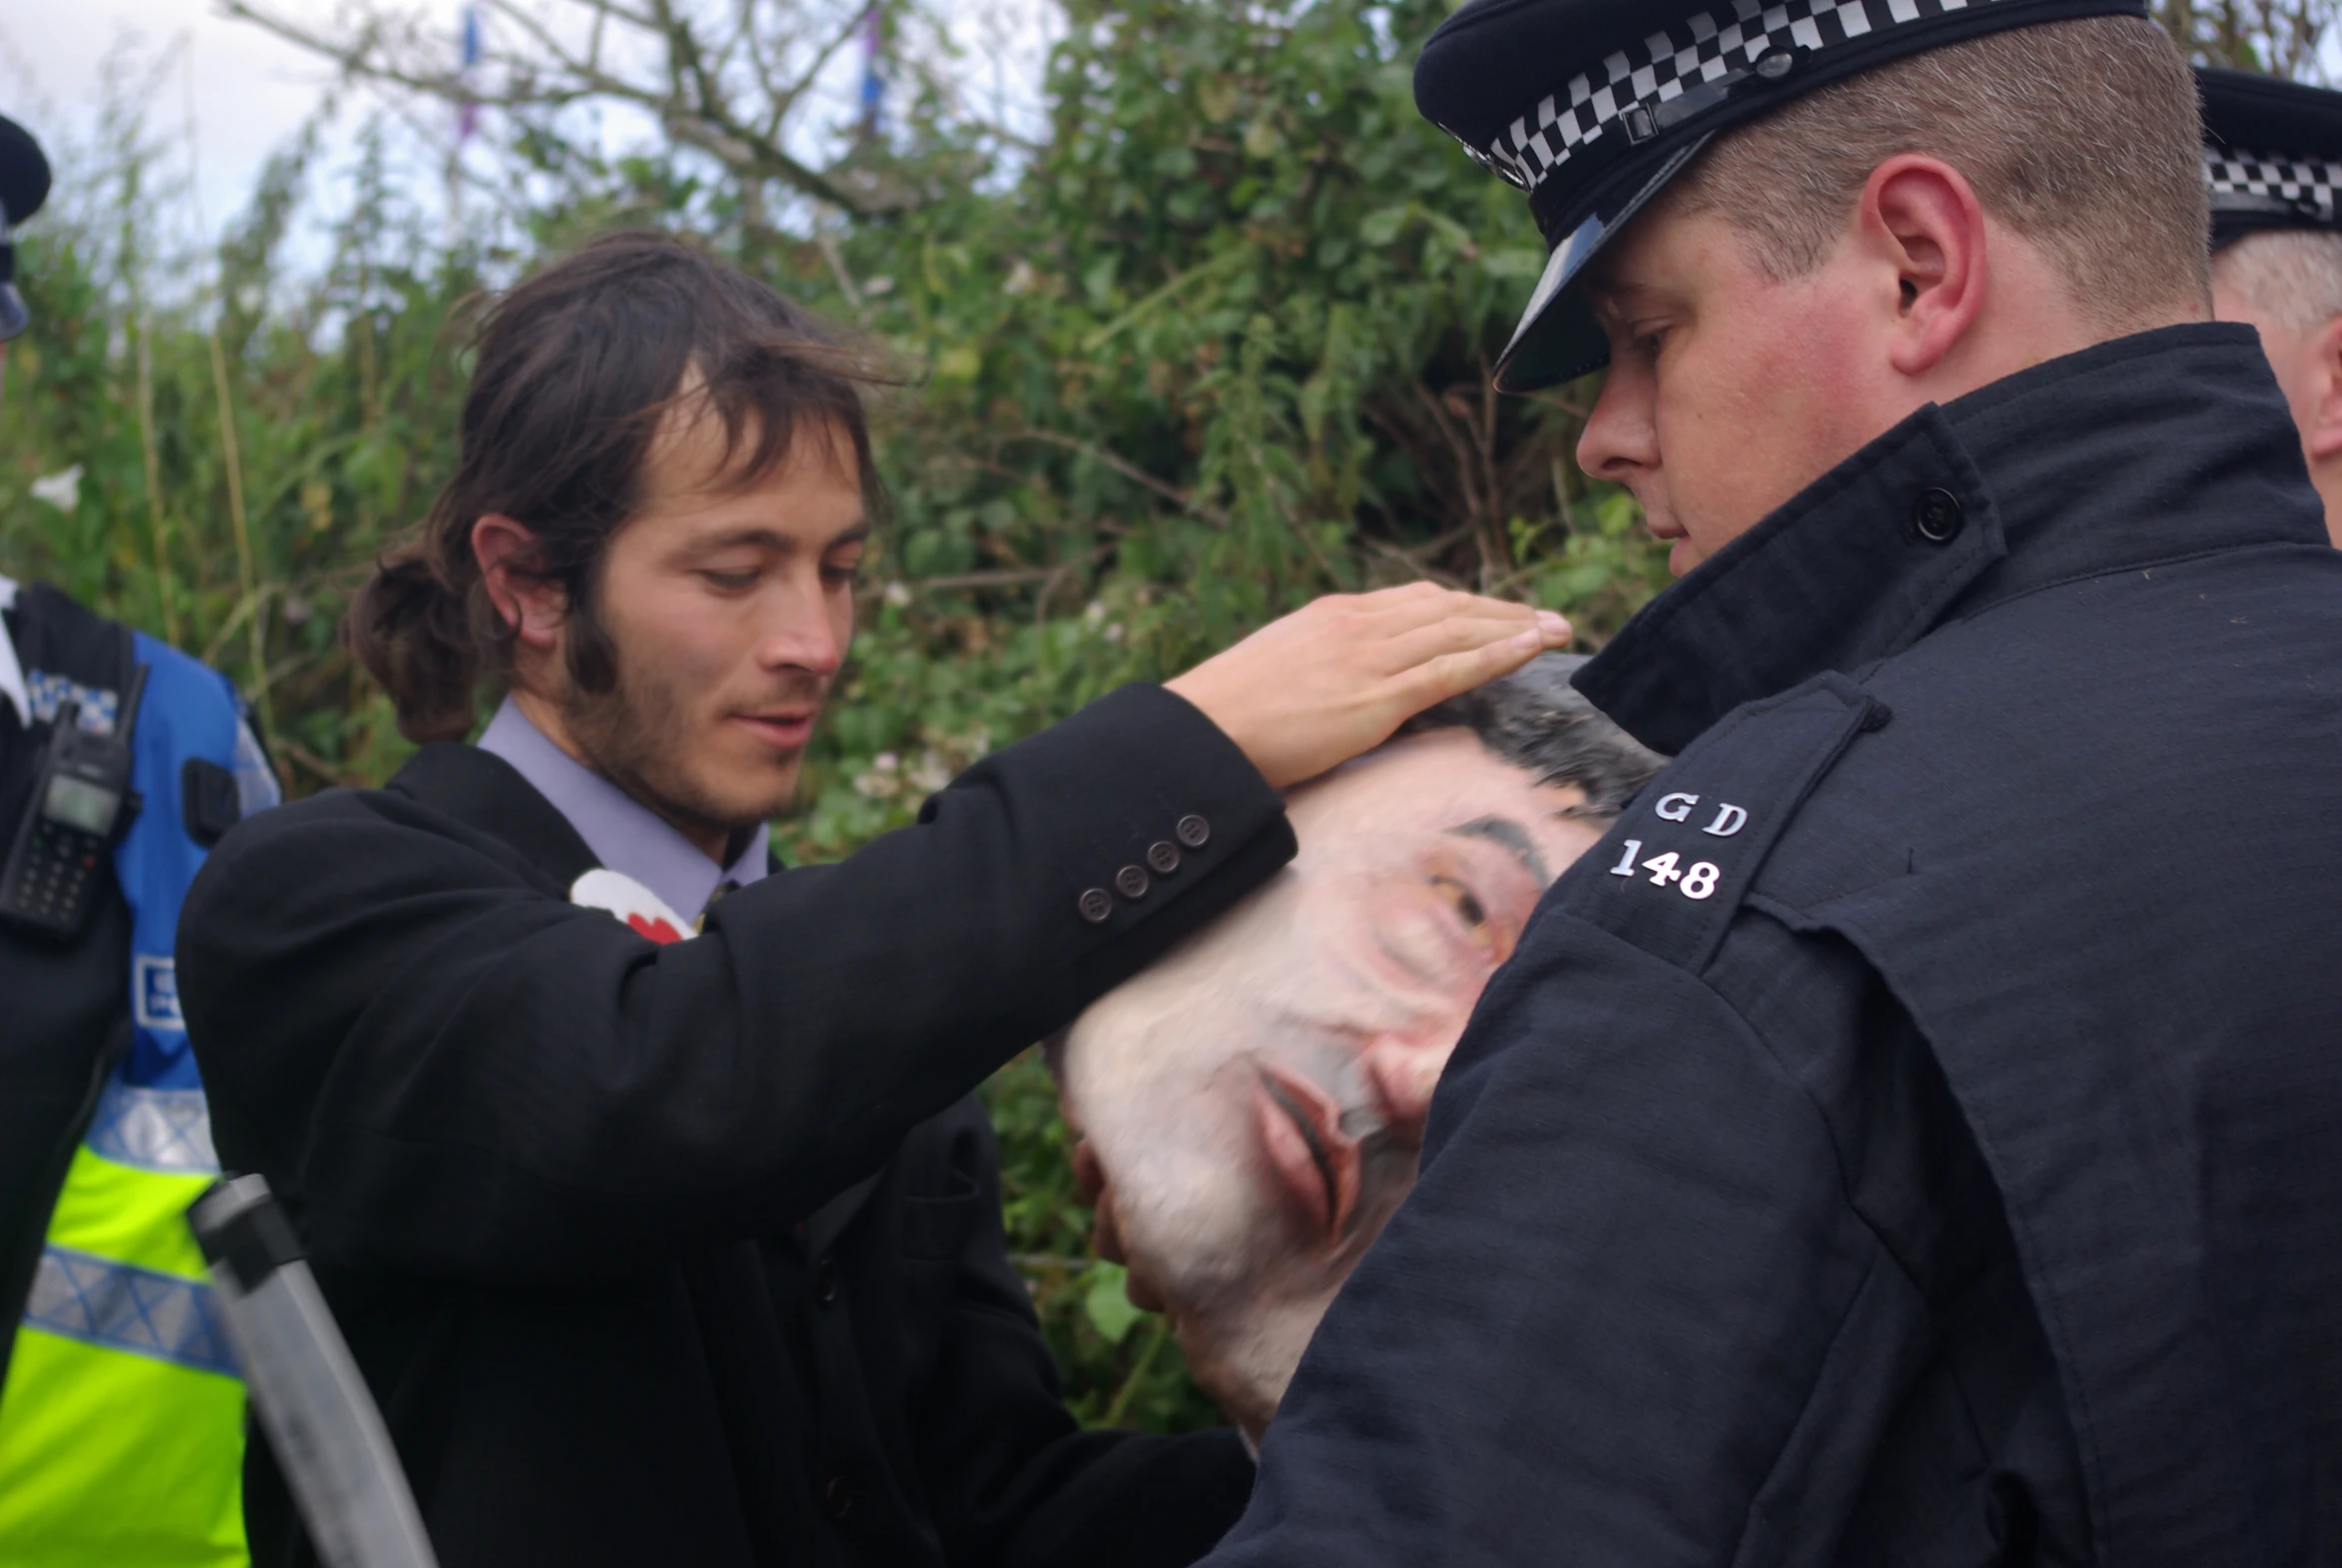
x=1337, y=676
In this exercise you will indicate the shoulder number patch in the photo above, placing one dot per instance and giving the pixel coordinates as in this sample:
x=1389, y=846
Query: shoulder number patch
x=1702, y=829
x=1697, y=880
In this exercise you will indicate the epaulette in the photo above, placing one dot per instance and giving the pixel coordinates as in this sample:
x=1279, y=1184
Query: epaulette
x=1674, y=869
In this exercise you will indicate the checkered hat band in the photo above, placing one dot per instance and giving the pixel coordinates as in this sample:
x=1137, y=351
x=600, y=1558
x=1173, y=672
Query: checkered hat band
x=1671, y=62
x=2304, y=182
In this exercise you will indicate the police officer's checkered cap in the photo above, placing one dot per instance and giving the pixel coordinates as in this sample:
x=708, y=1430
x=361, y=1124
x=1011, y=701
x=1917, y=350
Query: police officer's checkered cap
x=2307, y=186
x=1681, y=56
x=1593, y=106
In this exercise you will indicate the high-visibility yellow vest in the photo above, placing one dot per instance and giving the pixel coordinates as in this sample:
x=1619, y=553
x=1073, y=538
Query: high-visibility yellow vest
x=122, y=1414
x=122, y=1421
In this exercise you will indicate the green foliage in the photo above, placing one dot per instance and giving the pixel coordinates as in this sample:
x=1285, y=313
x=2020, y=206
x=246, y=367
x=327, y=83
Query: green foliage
x=2284, y=37
x=1216, y=346
x=1223, y=347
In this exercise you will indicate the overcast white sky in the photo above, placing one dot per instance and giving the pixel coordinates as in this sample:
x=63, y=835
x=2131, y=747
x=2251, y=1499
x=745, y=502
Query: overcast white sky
x=245, y=93
x=249, y=92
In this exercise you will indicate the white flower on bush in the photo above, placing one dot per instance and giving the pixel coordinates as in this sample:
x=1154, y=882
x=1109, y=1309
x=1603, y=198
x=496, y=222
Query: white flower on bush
x=935, y=765
x=930, y=773
x=883, y=780
x=61, y=489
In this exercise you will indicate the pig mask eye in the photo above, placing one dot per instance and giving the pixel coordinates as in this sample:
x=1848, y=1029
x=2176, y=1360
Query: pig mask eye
x=1464, y=901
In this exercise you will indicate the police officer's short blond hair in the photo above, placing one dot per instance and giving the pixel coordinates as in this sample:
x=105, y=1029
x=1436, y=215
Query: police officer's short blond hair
x=2082, y=136
x=2291, y=275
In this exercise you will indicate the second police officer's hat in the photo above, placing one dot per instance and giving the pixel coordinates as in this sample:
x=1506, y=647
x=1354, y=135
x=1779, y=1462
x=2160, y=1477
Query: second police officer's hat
x=1593, y=106
x=24, y=186
x=2272, y=154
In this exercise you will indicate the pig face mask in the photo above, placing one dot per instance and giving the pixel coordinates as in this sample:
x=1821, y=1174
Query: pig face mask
x=1251, y=1108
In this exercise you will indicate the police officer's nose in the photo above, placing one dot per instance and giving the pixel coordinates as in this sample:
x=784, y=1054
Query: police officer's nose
x=1621, y=439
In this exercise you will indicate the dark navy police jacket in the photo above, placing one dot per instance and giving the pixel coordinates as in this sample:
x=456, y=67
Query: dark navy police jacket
x=1914, y=1136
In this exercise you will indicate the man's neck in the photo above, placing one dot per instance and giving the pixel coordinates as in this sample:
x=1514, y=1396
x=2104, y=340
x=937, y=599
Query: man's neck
x=715, y=843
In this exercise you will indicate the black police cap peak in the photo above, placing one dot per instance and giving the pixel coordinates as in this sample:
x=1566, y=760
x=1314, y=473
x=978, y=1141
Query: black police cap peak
x=1592, y=106
x=2272, y=154
x=24, y=186
x=24, y=173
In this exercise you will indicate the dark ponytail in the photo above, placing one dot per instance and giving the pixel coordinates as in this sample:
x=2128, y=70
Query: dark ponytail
x=574, y=370
x=418, y=627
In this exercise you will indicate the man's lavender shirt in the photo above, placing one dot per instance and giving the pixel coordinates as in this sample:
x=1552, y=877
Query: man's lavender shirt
x=625, y=835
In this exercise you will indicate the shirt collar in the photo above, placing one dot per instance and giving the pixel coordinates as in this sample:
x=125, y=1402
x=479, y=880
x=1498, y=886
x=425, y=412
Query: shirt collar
x=12, y=685
x=625, y=835
x=2167, y=443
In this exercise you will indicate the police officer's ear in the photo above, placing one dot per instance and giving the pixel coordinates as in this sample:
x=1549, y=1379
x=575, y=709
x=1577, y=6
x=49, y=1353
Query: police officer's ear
x=530, y=601
x=2321, y=408
x=1919, y=222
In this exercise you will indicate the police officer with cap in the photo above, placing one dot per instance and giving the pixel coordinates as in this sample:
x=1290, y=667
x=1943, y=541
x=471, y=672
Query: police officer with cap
x=2273, y=165
x=121, y=762
x=1910, y=1136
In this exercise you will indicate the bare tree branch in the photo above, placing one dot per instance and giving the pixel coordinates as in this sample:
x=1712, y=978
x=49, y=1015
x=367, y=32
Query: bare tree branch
x=717, y=86
x=785, y=98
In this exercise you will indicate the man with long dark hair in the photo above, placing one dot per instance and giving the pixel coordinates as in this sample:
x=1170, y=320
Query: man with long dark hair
x=674, y=1236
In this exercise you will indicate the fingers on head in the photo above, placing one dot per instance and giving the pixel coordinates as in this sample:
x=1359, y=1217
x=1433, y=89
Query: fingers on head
x=1438, y=605
x=1448, y=675
x=1450, y=634
x=1420, y=588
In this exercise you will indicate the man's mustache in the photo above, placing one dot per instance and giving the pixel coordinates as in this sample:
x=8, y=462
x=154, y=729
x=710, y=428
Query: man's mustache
x=796, y=691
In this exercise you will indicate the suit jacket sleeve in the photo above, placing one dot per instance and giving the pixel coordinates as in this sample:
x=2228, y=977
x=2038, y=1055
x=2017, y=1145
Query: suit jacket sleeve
x=452, y=1074
x=1013, y=1483
x=1636, y=1302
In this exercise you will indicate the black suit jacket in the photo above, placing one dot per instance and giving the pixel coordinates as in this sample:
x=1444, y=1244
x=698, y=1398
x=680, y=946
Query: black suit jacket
x=693, y=1253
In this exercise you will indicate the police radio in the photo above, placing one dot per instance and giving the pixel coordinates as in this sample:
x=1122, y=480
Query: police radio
x=81, y=803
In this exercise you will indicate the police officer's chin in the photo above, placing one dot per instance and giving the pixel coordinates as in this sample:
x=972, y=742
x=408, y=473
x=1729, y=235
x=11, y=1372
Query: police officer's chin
x=1682, y=553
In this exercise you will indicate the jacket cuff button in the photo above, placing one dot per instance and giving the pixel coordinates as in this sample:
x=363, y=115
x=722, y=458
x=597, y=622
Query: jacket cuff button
x=1096, y=905
x=1163, y=856
x=1132, y=883
x=1194, y=832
